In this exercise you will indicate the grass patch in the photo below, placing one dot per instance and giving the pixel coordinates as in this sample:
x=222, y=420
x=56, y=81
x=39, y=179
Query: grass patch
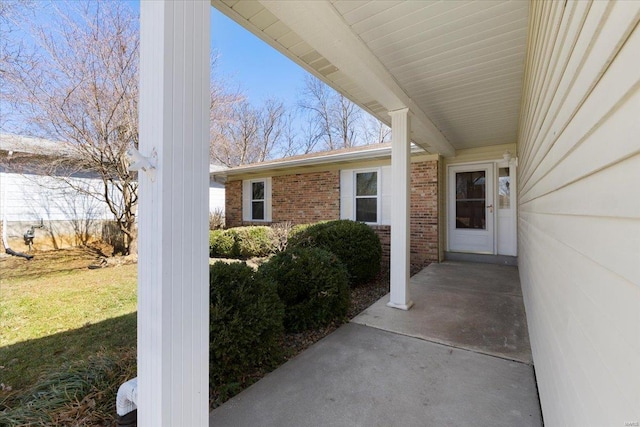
x=41, y=306
x=68, y=338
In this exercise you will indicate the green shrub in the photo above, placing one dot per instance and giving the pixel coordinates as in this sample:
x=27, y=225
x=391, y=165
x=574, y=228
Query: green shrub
x=255, y=241
x=221, y=244
x=242, y=242
x=355, y=243
x=297, y=231
x=245, y=324
x=313, y=285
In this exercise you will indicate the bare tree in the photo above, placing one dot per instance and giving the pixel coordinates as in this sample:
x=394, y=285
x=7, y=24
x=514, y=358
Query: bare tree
x=250, y=134
x=80, y=86
x=12, y=51
x=374, y=131
x=332, y=119
x=224, y=100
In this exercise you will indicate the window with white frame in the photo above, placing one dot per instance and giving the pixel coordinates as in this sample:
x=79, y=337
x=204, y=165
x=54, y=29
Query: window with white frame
x=257, y=200
x=366, y=196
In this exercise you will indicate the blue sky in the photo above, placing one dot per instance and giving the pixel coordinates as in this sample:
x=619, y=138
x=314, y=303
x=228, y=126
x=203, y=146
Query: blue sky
x=260, y=70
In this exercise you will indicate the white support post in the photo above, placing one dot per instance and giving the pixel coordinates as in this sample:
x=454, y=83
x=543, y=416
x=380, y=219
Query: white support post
x=400, y=206
x=173, y=274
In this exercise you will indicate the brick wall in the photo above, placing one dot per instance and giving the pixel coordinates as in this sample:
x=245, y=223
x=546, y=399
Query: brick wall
x=306, y=197
x=424, y=214
x=384, y=233
x=424, y=218
x=233, y=204
x=312, y=197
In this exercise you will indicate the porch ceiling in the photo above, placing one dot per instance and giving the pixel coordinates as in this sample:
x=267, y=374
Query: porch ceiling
x=457, y=65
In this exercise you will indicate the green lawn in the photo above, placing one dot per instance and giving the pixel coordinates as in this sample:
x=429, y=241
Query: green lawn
x=62, y=317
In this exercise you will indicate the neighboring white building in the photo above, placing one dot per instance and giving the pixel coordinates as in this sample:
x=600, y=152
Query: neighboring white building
x=216, y=190
x=28, y=198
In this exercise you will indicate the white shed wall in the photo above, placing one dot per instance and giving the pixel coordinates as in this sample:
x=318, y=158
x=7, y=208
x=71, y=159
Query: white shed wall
x=216, y=196
x=35, y=197
x=579, y=209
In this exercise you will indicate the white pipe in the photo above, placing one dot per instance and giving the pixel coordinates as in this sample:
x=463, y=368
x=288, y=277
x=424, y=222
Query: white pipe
x=127, y=397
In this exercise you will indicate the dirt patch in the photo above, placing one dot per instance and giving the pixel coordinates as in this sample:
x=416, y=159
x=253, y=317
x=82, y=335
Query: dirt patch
x=58, y=261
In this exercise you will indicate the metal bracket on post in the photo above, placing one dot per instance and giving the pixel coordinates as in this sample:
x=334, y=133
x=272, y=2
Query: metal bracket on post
x=145, y=164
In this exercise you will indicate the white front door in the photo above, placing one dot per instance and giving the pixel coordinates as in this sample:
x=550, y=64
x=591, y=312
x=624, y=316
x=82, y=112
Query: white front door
x=471, y=208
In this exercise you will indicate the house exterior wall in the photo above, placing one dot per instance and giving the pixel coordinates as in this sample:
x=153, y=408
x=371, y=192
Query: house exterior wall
x=304, y=198
x=233, y=203
x=424, y=214
x=579, y=210
x=310, y=197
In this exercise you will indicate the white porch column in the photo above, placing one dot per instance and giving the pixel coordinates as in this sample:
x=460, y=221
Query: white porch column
x=400, y=206
x=173, y=275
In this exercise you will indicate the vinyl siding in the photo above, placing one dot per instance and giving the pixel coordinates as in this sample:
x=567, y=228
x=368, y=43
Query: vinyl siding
x=579, y=209
x=216, y=196
x=35, y=197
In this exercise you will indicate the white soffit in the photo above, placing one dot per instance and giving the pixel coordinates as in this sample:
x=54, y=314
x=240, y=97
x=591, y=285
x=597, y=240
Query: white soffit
x=457, y=65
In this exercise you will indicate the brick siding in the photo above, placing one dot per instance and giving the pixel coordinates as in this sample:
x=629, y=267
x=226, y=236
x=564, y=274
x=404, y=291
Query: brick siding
x=424, y=214
x=233, y=204
x=306, y=197
x=311, y=197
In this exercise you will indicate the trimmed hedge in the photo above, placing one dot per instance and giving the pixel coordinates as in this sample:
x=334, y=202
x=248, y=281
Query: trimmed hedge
x=355, y=243
x=246, y=328
x=313, y=285
x=242, y=242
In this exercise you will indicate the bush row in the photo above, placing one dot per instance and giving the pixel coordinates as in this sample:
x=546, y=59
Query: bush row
x=354, y=243
x=242, y=242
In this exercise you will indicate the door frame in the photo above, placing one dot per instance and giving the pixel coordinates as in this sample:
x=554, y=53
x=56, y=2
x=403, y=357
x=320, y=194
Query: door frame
x=490, y=197
x=495, y=164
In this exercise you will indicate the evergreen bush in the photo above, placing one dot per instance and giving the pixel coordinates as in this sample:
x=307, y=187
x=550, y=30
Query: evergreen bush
x=355, y=243
x=246, y=328
x=313, y=285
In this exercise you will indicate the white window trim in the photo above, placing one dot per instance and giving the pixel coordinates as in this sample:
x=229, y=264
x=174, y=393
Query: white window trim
x=247, y=200
x=263, y=200
x=378, y=193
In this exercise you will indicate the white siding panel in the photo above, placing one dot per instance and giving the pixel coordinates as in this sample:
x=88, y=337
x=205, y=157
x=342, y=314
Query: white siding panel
x=35, y=197
x=216, y=196
x=579, y=209
x=386, y=195
x=246, y=201
x=346, y=194
x=267, y=199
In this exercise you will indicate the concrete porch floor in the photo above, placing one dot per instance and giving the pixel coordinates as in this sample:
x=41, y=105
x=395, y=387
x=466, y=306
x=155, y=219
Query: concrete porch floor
x=460, y=356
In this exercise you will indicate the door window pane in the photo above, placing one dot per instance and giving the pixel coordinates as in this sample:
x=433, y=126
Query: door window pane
x=471, y=200
x=504, y=190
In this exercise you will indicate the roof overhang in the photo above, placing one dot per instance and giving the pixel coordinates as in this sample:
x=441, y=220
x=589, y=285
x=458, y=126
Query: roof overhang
x=336, y=157
x=457, y=66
